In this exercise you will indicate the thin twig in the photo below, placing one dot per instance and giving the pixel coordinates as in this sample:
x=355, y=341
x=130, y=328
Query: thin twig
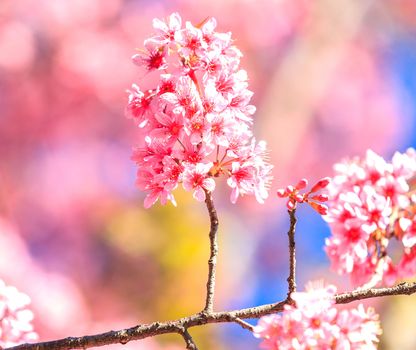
x=244, y=324
x=212, y=262
x=190, y=344
x=177, y=326
x=291, y=280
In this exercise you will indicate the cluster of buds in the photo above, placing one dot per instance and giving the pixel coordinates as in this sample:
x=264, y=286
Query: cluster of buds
x=196, y=122
x=311, y=197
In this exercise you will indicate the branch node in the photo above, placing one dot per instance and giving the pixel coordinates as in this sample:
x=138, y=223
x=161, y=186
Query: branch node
x=124, y=337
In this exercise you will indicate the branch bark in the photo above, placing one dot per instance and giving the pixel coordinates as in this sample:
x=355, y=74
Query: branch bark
x=212, y=262
x=156, y=328
x=404, y=288
x=291, y=280
x=190, y=344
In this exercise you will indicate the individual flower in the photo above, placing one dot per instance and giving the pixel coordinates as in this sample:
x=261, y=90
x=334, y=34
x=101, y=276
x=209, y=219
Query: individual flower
x=195, y=122
x=196, y=178
x=166, y=29
x=15, y=317
x=154, y=57
x=373, y=203
x=315, y=323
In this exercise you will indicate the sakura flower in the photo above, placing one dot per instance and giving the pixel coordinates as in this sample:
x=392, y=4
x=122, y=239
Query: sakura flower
x=251, y=174
x=358, y=329
x=196, y=122
x=156, y=188
x=240, y=180
x=153, y=58
x=196, y=127
x=169, y=128
x=220, y=128
x=196, y=178
x=15, y=317
x=314, y=322
x=138, y=106
x=190, y=40
x=373, y=203
x=166, y=30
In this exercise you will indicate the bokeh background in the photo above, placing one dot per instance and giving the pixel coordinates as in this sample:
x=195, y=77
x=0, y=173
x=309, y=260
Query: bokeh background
x=331, y=79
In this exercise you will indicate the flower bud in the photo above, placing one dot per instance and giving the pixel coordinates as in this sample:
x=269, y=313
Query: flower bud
x=320, y=184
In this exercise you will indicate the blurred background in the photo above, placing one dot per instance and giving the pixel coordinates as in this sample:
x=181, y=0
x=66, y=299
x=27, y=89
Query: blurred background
x=331, y=79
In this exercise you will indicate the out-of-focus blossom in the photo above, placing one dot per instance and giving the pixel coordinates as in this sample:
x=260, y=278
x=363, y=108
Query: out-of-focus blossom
x=315, y=323
x=15, y=317
x=196, y=124
x=373, y=203
x=310, y=197
x=16, y=46
x=55, y=299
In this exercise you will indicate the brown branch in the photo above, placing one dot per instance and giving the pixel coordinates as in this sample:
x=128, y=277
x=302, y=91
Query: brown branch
x=178, y=326
x=404, y=288
x=212, y=262
x=244, y=324
x=190, y=344
x=291, y=280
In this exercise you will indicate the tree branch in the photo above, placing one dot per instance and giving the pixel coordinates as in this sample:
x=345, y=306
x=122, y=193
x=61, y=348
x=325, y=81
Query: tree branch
x=404, y=288
x=291, y=280
x=148, y=330
x=212, y=262
x=244, y=324
x=190, y=344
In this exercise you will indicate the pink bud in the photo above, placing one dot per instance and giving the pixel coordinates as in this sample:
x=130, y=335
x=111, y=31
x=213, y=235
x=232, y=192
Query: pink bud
x=320, y=208
x=281, y=193
x=302, y=184
x=320, y=197
x=289, y=189
x=320, y=184
x=299, y=198
x=291, y=204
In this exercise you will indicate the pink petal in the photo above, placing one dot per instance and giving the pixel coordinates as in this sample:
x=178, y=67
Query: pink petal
x=409, y=240
x=199, y=194
x=209, y=184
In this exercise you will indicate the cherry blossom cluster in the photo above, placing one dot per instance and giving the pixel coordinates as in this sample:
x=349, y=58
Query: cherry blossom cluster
x=196, y=120
x=15, y=317
x=373, y=202
x=315, y=323
x=310, y=197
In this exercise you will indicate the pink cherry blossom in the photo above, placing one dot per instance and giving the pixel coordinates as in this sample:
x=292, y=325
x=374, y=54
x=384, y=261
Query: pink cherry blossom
x=196, y=123
x=15, y=317
x=315, y=323
x=373, y=203
x=196, y=178
x=166, y=30
x=154, y=57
